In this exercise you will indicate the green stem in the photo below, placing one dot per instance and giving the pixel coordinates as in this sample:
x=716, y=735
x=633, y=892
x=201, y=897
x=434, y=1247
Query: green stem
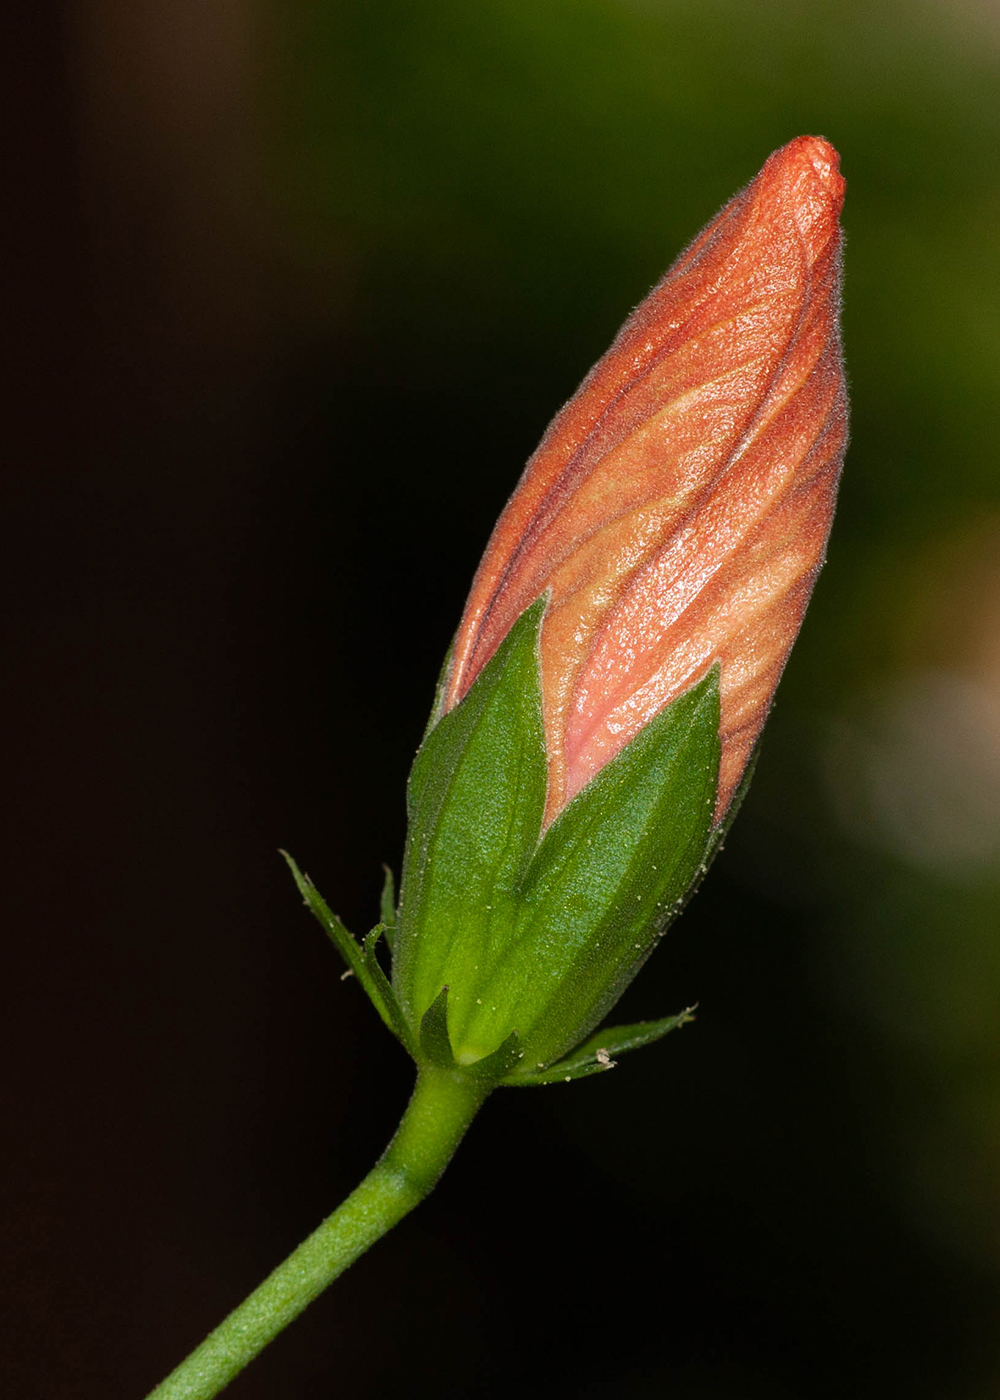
x=443, y=1105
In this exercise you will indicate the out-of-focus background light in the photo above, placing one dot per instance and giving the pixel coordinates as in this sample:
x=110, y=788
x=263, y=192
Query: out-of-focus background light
x=292, y=291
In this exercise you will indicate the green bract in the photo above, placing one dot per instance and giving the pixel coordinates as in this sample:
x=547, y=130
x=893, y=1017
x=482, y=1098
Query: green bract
x=511, y=944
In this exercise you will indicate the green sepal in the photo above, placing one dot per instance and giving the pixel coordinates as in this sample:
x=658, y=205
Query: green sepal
x=396, y=1022
x=494, y=1069
x=596, y=1055
x=435, y=1046
x=719, y=833
x=434, y=1042
x=609, y=875
x=439, y=689
x=476, y=798
x=387, y=907
x=360, y=959
x=340, y=936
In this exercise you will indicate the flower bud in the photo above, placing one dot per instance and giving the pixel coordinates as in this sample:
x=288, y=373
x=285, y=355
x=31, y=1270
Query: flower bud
x=678, y=506
x=627, y=628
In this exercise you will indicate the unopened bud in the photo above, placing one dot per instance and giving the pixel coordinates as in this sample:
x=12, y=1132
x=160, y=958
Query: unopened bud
x=624, y=637
x=678, y=507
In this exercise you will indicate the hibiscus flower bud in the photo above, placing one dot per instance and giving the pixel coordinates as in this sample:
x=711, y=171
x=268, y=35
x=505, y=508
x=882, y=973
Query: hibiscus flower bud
x=623, y=640
x=678, y=507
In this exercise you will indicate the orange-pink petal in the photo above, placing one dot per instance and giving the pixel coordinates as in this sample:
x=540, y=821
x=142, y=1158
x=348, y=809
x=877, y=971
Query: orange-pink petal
x=678, y=507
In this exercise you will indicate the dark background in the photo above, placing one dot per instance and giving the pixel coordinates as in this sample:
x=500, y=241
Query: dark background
x=289, y=293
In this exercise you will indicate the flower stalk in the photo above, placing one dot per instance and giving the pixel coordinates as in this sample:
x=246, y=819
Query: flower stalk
x=441, y=1109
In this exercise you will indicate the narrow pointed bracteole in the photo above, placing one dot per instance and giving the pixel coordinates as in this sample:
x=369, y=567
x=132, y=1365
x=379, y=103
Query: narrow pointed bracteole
x=678, y=507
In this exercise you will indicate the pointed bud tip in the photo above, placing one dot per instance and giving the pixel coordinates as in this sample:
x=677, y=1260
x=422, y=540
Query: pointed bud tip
x=806, y=174
x=812, y=155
